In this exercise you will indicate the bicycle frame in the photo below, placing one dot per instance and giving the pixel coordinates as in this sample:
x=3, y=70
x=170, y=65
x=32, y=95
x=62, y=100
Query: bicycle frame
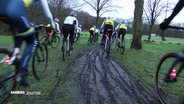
x=168, y=70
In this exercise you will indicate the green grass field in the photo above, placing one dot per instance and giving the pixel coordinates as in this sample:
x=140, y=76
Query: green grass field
x=140, y=63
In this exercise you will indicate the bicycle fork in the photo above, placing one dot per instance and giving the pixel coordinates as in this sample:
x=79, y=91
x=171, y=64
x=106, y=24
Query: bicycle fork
x=168, y=77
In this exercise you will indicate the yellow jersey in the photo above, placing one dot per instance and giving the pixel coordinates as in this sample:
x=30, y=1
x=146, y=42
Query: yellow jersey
x=122, y=26
x=109, y=22
x=92, y=29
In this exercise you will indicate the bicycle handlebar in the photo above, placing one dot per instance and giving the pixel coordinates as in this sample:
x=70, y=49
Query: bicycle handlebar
x=41, y=26
x=176, y=27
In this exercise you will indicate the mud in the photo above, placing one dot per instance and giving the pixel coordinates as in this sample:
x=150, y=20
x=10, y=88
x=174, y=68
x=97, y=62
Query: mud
x=103, y=81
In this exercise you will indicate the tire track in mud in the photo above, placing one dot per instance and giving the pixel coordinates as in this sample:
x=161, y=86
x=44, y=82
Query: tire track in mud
x=103, y=81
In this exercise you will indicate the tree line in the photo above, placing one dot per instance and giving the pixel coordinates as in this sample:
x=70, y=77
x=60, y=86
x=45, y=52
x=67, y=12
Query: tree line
x=149, y=9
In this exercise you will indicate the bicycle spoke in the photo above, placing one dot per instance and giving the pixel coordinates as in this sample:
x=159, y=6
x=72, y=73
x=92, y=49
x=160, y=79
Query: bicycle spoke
x=40, y=61
x=169, y=92
x=7, y=74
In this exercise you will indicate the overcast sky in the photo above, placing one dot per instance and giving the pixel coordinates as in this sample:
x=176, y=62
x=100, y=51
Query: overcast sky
x=127, y=10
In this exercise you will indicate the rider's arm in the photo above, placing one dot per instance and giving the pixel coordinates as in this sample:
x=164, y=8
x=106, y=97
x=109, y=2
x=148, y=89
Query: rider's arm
x=117, y=27
x=45, y=6
x=102, y=26
x=176, y=10
x=57, y=27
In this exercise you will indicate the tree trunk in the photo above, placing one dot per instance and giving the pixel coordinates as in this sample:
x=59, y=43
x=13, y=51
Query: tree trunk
x=137, y=25
x=150, y=31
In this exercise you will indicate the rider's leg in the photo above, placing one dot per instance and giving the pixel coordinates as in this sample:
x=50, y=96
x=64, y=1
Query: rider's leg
x=18, y=19
x=72, y=39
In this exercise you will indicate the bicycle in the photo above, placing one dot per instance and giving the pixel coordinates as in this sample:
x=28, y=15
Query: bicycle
x=51, y=38
x=66, y=47
x=121, y=46
x=91, y=39
x=77, y=37
x=107, y=46
x=8, y=72
x=169, y=77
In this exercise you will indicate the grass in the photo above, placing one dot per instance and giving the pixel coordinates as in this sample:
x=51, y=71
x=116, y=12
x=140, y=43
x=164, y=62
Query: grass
x=142, y=63
x=54, y=87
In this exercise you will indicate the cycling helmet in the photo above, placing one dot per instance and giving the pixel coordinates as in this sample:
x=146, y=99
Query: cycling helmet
x=48, y=25
x=122, y=22
x=56, y=19
x=73, y=13
x=108, y=17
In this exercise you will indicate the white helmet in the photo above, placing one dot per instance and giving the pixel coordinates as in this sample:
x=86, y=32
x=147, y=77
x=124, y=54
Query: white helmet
x=56, y=19
x=73, y=13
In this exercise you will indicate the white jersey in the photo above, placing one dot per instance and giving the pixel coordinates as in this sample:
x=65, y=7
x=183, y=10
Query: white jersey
x=70, y=20
x=57, y=27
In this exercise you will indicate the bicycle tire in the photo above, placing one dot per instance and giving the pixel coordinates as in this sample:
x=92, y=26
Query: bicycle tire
x=63, y=49
x=68, y=45
x=7, y=74
x=40, y=61
x=56, y=42
x=164, y=90
x=44, y=39
x=90, y=40
x=121, y=48
x=108, y=48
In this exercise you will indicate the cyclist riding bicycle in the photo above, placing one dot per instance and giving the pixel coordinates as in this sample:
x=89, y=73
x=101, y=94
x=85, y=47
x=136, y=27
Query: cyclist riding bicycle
x=79, y=30
x=70, y=25
x=13, y=13
x=92, y=30
x=108, y=23
x=57, y=30
x=176, y=10
x=97, y=32
x=121, y=30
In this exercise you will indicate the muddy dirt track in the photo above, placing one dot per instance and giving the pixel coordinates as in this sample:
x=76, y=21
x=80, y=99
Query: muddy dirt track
x=103, y=81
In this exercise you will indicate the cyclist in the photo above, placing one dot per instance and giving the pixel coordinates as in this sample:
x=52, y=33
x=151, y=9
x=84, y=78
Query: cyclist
x=121, y=30
x=70, y=25
x=56, y=21
x=79, y=32
x=176, y=10
x=97, y=32
x=108, y=23
x=13, y=13
x=92, y=31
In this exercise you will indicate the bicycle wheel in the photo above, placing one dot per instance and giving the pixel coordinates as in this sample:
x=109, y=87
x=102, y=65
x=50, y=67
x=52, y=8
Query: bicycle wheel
x=107, y=47
x=44, y=39
x=121, y=47
x=169, y=92
x=7, y=74
x=90, y=40
x=55, y=41
x=68, y=45
x=40, y=61
x=63, y=49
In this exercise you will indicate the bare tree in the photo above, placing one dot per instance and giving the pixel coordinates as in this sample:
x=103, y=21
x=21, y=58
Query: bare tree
x=100, y=7
x=152, y=10
x=137, y=25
